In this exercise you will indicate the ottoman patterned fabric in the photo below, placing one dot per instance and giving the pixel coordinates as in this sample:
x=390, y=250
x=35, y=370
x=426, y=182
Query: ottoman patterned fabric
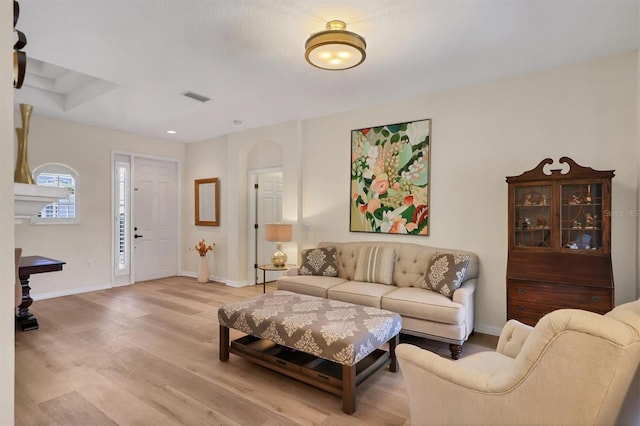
x=338, y=331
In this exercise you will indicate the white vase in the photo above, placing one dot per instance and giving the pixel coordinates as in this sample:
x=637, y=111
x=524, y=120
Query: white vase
x=203, y=270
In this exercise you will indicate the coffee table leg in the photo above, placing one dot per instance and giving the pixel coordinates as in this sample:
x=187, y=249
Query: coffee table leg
x=224, y=343
x=349, y=389
x=393, y=365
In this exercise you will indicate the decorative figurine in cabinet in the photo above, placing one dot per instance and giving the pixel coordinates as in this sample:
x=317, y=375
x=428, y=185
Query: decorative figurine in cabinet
x=559, y=241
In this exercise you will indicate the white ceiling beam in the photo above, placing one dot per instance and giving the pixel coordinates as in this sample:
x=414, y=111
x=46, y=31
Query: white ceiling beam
x=88, y=93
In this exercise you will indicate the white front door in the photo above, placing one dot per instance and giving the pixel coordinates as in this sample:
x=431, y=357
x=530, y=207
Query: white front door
x=155, y=219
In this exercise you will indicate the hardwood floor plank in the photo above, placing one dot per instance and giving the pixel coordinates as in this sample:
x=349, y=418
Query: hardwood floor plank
x=28, y=413
x=74, y=410
x=114, y=401
x=148, y=354
x=37, y=380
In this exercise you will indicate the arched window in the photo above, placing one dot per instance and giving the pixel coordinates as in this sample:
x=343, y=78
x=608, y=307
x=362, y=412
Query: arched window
x=64, y=210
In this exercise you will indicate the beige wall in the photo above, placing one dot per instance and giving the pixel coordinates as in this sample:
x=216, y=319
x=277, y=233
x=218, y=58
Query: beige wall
x=638, y=169
x=205, y=160
x=482, y=134
x=7, y=274
x=272, y=146
x=86, y=247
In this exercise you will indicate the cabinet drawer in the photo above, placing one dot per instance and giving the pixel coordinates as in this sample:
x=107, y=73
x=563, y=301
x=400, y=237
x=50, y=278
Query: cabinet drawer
x=533, y=300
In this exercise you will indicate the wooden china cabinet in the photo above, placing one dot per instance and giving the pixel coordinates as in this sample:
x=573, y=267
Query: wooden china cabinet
x=559, y=241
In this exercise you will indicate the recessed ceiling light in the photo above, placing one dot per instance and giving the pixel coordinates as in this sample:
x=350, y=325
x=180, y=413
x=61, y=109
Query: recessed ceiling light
x=171, y=132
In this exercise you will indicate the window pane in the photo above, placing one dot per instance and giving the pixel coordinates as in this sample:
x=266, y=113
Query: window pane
x=64, y=208
x=122, y=235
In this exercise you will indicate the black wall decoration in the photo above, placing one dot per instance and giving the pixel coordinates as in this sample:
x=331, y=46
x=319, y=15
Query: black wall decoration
x=19, y=58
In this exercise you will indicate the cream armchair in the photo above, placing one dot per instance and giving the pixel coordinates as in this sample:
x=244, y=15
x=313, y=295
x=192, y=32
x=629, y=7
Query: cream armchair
x=575, y=367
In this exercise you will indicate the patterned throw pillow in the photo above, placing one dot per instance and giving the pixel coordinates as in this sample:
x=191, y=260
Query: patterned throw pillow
x=319, y=261
x=446, y=273
x=375, y=265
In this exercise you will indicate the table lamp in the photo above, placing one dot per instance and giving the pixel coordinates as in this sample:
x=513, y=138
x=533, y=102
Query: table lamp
x=278, y=233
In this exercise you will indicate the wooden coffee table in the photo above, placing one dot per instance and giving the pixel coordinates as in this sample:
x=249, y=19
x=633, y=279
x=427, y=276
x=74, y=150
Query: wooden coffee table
x=329, y=344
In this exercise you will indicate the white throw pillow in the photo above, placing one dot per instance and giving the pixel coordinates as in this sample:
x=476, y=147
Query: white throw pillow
x=375, y=265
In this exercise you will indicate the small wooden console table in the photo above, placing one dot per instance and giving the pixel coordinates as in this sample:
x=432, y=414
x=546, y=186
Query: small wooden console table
x=32, y=265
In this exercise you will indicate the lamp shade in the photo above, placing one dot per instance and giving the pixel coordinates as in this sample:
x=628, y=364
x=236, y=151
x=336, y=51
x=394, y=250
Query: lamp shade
x=336, y=48
x=278, y=232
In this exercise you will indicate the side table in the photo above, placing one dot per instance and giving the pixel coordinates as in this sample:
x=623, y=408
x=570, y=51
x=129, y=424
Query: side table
x=271, y=267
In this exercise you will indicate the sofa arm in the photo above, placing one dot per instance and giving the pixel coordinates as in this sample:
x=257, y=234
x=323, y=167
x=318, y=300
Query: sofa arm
x=513, y=335
x=291, y=272
x=464, y=294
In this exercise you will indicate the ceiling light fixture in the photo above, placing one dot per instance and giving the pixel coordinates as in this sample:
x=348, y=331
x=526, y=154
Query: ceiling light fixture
x=336, y=48
x=171, y=132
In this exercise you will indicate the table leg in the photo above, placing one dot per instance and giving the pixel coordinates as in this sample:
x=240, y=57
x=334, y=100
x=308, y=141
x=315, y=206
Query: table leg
x=25, y=320
x=393, y=364
x=224, y=343
x=264, y=281
x=349, y=389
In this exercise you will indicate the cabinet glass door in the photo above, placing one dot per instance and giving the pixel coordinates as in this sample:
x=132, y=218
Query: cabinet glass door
x=533, y=216
x=581, y=216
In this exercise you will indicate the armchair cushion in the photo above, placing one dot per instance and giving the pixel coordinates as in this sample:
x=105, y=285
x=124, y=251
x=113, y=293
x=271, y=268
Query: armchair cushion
x=513, y=335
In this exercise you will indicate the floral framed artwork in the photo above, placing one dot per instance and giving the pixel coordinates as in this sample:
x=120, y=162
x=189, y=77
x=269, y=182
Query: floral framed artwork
x=390, y=178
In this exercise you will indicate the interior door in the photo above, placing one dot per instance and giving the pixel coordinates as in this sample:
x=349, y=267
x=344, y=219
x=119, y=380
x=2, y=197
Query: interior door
x=269, y=211
x=155, y=219
x=267, y=207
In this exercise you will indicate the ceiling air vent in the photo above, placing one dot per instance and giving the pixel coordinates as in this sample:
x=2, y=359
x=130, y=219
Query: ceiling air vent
x=196, y=96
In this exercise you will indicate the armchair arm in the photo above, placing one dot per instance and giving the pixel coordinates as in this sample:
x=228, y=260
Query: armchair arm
x=513, y=335
x=414, y=359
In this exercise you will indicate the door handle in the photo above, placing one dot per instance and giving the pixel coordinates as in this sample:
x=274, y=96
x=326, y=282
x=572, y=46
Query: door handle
x=137, y=236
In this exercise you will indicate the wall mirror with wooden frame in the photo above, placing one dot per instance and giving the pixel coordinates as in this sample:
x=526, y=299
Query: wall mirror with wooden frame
x=207, y=197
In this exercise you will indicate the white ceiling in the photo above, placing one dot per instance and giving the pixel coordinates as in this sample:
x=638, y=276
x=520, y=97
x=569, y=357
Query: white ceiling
x=124, y=64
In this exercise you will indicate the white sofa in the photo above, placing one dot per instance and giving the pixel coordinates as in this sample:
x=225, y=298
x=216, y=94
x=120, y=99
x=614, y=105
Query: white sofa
x=574, y=368
x=424, y=312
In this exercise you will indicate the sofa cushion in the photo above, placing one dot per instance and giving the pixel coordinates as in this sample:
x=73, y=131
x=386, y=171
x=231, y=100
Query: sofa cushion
x=375, y=265
x=308, y=284
x=360, y=293
x=412, y=260
x=319, y=261
x=423, y=304
x=446, y=272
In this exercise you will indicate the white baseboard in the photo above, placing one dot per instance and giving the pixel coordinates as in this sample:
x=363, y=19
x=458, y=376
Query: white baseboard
x=69, y=291
x=224, y=280
x=487, y=329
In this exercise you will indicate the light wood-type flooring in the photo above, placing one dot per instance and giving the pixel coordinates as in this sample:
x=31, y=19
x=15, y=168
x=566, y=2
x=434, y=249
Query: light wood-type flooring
x=147, y=354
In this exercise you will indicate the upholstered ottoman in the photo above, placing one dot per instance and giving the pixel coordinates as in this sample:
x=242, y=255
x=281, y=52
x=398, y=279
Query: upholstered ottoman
x=326, y=343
